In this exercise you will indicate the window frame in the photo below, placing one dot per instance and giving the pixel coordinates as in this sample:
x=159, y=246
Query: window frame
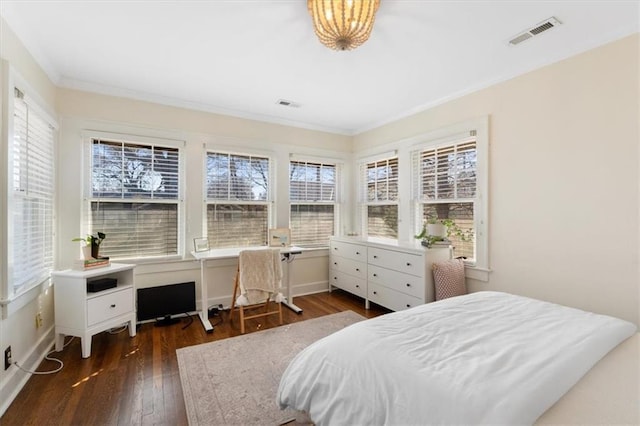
x=364, y=190
x=479, y=128
x=268, y=202
x=337, y=193
x=12, y=298
x=127, y=138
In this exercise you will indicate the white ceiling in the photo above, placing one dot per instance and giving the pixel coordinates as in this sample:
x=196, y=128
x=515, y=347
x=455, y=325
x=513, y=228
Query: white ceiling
x=239, y=57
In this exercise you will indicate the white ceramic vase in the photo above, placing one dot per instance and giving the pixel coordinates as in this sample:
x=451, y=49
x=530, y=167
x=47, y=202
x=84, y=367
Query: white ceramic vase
x=86, y=252
x=437, y=230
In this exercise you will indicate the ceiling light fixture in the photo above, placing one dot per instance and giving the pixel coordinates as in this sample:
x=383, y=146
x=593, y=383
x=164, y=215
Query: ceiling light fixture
x=343, y=24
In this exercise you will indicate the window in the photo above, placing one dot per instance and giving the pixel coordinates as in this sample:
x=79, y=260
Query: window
x=238, y=198
x=380, y=198
x=447, y=191
x=312, y=193
x=30, y=212
x=135, y=198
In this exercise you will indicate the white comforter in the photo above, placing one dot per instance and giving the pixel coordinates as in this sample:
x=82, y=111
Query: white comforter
x=486, y=357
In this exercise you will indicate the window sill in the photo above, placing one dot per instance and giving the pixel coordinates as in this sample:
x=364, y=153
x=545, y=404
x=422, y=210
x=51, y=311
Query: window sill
x=148, y=260
x=477, y=273
x=15, y=303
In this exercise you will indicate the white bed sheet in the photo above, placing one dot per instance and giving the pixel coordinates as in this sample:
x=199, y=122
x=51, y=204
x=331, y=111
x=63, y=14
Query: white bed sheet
x=486, y=357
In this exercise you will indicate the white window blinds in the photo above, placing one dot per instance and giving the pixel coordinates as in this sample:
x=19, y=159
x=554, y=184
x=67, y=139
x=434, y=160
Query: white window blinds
x=135, y=198
x=313, y=194
x=379, y=194
x=33, y=192
x=447, y=173
x=238, y=196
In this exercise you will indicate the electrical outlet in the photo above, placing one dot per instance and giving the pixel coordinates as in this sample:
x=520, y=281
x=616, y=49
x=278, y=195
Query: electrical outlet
x=7, y=358
x=38, y=320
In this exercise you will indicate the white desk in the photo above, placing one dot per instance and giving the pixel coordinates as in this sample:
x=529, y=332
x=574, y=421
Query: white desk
x=227, y=253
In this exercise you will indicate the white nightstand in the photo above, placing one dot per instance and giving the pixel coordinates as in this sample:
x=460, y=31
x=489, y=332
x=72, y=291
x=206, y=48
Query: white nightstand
x=83, y=314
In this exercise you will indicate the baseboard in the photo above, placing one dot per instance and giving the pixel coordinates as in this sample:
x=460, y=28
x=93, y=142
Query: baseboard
x=310, y=288
x=16, y=378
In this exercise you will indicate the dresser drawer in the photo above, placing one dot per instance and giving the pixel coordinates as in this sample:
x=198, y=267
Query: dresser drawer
x=349, y=250
x=404, y=283
x=390, y=298
x=111, y=305
x=357, y=286
x=407, y=263
x=348, y=266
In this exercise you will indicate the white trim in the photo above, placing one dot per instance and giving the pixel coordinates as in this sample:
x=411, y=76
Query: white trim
x=89, y=134
x=476, y=273
x=213, y=147
x=310, y=158
x=374, y=158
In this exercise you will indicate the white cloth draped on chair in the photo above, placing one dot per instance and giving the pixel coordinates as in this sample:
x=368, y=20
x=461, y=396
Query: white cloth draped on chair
x=258, y=282
x=260, y=276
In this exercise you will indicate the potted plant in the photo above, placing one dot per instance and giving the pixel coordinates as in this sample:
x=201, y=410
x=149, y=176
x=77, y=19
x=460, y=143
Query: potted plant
x=91, y=246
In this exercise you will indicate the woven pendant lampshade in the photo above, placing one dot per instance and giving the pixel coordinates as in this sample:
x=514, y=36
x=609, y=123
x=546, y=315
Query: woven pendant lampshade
x=343, y=24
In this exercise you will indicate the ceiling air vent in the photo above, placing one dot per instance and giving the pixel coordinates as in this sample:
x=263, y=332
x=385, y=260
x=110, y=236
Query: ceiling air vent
x=287, y=103
x=534, y=31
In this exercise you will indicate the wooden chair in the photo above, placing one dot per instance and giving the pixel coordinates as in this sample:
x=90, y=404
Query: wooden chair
x=271, y=273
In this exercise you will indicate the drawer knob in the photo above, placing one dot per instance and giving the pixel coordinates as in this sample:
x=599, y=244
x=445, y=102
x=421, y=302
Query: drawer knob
x=375, y=292
x=357, y=285
x=113, y=306
x=375, y=257
x=358, y=269
x=408, y=263
x=408, y=305
x=335, y=263
x=335, y=278
x=358, y=252
x=335, y=248
x=408, y=285
x=375, y=275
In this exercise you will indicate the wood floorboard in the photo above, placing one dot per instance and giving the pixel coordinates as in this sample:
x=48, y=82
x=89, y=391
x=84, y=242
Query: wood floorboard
x=135, y=381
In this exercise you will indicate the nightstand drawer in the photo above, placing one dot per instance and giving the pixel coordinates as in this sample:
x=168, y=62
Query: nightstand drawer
x=109, y=306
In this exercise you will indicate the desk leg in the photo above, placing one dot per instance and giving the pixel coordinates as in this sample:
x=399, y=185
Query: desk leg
x=289, y=299
x=204, y=302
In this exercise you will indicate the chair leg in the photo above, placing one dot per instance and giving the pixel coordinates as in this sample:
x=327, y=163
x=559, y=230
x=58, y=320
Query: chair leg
x=241, y=319
x=235, y=291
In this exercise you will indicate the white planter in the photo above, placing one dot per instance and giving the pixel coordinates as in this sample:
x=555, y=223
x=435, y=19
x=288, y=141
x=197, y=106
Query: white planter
x=86, y=252
x=437, y=230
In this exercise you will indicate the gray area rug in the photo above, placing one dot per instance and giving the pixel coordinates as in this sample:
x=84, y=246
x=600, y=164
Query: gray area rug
x=234, y=381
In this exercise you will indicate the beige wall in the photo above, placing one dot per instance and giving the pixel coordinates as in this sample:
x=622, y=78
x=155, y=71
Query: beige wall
x=563, y=178
x=81, y=112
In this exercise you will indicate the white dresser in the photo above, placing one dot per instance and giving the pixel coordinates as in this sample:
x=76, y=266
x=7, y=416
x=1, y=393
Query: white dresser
x=394, y=275
x=81, y=313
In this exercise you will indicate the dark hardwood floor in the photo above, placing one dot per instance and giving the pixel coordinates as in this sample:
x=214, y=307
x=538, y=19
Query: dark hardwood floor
x=135, y=381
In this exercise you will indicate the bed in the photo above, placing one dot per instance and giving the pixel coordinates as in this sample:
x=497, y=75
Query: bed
x=486, y=357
